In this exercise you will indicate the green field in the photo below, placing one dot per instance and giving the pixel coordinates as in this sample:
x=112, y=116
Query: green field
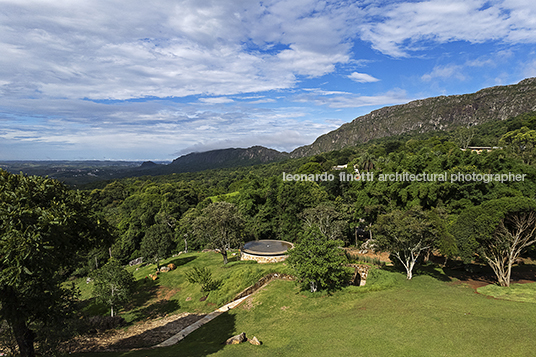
x=390, y=316
x=181, y=296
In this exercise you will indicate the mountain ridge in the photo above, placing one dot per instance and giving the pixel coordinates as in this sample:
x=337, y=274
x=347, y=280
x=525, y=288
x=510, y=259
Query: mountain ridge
x=429, y=114
x=221, y=158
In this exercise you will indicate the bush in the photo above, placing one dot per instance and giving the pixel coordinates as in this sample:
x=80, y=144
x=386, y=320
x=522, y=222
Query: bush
x=203, y=276
x=355, y=258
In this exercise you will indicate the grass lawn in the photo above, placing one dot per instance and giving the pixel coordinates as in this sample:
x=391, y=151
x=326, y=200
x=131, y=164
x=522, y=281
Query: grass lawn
x=172, y=293
x=388, y=317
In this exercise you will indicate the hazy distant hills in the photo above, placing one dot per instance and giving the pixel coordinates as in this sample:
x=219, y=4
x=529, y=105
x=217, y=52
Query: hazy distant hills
x=437, y=113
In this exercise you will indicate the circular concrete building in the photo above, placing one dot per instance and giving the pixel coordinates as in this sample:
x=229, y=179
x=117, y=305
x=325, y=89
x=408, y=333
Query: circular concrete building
x=265, y=251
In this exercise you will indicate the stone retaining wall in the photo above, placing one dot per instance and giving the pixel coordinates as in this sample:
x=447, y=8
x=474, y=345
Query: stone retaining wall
x=263, y=281
x=263, y=258
x=360, y=274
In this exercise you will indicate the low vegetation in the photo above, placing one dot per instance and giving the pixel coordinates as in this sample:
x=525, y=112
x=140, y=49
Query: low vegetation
x=515, y=292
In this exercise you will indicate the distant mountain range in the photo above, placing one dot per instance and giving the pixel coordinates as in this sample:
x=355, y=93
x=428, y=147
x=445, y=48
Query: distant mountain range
x=419, y=116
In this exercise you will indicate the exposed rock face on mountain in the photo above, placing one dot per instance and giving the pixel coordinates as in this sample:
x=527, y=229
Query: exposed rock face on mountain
x=226, y=158
x=438, y=113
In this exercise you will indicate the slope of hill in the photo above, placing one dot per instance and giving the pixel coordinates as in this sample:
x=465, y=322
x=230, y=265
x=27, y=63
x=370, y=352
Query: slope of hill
x=224, y=158
x=438, y=113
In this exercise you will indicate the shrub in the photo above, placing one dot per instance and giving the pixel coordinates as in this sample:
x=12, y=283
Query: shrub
x=203, y=276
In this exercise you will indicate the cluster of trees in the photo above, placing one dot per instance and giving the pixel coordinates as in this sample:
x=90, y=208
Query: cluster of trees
x=152, y=219
x=45, y=229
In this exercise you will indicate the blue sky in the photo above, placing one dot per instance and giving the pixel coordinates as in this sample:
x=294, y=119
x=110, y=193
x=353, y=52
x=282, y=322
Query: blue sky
x=153, y=80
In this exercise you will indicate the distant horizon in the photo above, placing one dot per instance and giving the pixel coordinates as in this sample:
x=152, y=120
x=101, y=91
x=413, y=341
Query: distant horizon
x=169, y=79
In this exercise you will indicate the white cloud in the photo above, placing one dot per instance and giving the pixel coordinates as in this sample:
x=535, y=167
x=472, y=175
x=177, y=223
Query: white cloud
x=448, y=71
x=396, y=96
x=401, y=28
x=216, y=100
x=461, y=72
x=69, y=70
x=362, y=77
x=161, y=48
x=149, y=130
x=529, y=69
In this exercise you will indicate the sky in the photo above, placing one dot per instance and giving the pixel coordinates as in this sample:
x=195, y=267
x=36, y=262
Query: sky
x=154, y=80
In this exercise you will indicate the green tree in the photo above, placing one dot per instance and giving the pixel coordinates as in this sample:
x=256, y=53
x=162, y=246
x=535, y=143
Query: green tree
x=222, y=226
x=498, y=231
x=327, y=219
x=113, y=284
x=186, y=233
x=463, y=135
x=522, y=142
x=44, y=228
x=318, y=262
x=405, y=234
x=157, y=243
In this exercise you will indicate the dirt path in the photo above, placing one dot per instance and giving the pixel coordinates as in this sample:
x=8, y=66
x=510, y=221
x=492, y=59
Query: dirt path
x=140, y=335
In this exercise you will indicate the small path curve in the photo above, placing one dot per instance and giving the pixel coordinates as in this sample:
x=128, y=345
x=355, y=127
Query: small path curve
x=188, y=330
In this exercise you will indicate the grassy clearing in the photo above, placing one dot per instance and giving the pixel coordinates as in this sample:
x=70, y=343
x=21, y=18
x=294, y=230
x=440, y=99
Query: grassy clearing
x=390, y=316
x=516, y=292
x=172, y=293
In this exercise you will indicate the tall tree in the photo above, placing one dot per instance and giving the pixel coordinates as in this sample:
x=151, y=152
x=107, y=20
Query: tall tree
x=498, y=231
x=318, y=261
x=222, y=226
x=406, y=234
x=157, y=243
x=327, y=219
x=43, y=229
x=522, y=142
x=113, y=284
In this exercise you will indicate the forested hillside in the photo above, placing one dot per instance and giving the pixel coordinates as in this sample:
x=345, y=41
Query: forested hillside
x=272, y=208
x=428, y=115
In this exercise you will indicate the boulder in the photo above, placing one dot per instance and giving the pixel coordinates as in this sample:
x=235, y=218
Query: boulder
x=235, y=340
x=255, y=341
x=171, y=266
x=164, y=269
x=136, y=261
x=153, y=276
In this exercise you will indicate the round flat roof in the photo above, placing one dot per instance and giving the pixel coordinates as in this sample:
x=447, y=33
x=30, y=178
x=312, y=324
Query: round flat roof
x=267, y=247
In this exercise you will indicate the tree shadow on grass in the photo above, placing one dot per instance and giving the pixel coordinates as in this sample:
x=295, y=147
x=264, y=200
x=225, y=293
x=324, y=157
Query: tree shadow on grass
x=146, y=289
x=432, y=270
x=428, y=269
x=208, y=339
x=178, y=261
